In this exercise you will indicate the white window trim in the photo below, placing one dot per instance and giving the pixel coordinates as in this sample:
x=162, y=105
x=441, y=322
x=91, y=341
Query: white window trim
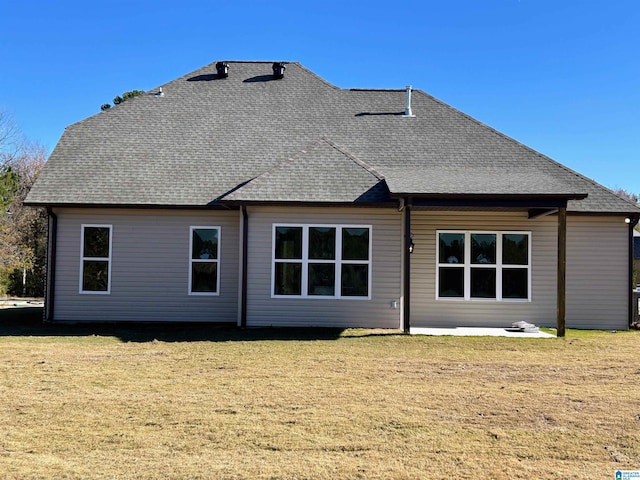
x=99, y=259
x=338, y=262
x=210, y=260
x=498, y=266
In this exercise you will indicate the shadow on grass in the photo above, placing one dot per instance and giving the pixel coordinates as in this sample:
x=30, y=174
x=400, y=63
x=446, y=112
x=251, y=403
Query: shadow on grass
x=28, y=322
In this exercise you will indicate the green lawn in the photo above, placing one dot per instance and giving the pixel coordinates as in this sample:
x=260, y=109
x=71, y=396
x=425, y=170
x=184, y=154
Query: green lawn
x=189, y=402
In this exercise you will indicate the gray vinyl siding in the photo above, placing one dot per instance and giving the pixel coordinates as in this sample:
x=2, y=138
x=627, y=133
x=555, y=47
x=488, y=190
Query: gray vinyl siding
x=150, y=267
x=426, y=311
x=263, y=310
x=597, y=272
x=596, y=289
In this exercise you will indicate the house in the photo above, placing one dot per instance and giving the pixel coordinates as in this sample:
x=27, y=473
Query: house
x=258, y=194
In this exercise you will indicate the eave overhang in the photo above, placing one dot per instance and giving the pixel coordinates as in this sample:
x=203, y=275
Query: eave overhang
x=533, y=201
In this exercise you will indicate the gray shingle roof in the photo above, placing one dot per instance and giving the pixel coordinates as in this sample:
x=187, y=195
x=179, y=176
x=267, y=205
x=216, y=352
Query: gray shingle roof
x=475, y=180
x=322, y=172
x=250, y=137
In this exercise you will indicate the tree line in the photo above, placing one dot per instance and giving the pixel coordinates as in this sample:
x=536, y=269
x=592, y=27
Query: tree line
x=23, y=230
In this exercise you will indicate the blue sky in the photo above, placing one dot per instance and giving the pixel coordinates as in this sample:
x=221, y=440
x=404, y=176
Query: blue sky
x=561, y=76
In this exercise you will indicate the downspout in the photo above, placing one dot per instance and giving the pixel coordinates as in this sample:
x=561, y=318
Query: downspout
x=633, y=221
x=52, y=234
x=245, y=238
x=407, y=266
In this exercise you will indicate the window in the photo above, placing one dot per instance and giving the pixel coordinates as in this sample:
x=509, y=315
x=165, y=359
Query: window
x=483, y=265
x=321, y=261
x=95, y=262
x=204, y=255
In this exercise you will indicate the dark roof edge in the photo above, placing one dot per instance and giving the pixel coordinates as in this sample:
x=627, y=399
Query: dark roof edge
x=221, y=205
x=579, y=213
x=142, y=206
x=254, y=203
x=491, y=196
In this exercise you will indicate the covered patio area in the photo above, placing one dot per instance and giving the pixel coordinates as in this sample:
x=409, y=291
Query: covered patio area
x=479, y=332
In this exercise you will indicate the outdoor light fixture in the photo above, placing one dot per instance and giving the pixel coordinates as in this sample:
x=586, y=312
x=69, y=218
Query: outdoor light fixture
x=278, y=70
x=223, y=69
x=627, y=220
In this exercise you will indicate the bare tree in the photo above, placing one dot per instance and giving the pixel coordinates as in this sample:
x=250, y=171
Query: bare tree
x=632, y=197
x=11, y=138
x=23, y=230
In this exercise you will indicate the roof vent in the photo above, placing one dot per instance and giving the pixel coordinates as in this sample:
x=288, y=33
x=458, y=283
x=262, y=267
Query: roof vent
x=223, y=69
x=407, y=108
x=278, y=70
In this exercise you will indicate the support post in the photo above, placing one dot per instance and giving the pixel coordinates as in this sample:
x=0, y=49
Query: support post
x=245, y=264
x=50, y=285
x=407, y=267
x=633, y=302
x=562, y=270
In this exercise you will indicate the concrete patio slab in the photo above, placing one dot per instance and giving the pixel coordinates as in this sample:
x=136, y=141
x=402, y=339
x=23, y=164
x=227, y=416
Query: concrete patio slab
x=479, y=332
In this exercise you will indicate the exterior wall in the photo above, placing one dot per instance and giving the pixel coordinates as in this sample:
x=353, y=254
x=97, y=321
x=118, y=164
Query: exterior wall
x=263, y=310
x=597, y=272
x=150, y=267
x=426, y=311
x=597, y=269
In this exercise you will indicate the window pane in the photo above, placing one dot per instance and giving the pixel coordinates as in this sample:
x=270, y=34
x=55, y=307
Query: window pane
x=289, y=242
x=322, y=243
x=451, y=282
x=515, y=283
x=483, y=248
x=355, y=280
x=204, y=277
x=288, y=279
x=205, y=243
x=451, y=247
x=355, y=244
x=515, y=249
x=322, y=279
x=95, y=276
x=483, y=283
x=96, y=242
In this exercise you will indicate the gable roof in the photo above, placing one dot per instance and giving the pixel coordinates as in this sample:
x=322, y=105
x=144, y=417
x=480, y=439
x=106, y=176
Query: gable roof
x=250, y=137
x=322, y=173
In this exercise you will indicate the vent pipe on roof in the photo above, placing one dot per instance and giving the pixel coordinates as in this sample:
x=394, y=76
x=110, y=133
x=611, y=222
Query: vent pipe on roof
x=278, y=70
x=407, y=108
x=223, y=69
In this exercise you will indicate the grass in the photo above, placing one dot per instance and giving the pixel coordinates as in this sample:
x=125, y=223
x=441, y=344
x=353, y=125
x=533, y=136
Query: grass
x=198, y=402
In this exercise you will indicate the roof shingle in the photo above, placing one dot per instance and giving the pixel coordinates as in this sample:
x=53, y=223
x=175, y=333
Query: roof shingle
x=299, y=139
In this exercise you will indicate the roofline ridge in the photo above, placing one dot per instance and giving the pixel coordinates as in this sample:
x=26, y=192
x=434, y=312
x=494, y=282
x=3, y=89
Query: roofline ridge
x=314, y=74
x=275, y=168
x=353, y=158
x=379, y=89
x=529, y=149
x=306, y=149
